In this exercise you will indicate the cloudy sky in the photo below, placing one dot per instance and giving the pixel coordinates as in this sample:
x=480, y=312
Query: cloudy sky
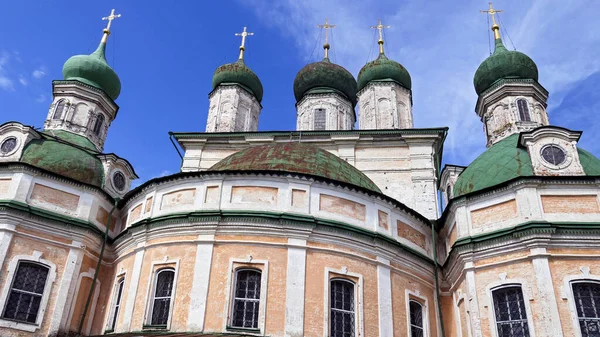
x=165, y=54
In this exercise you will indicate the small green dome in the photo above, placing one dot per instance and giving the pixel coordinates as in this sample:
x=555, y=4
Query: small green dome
x=295, y=158
x=384, y=69
x=62, y=158
x=324, y=74
x=503, y=64
x=238, y=73
x=504, y=161
x=93, y=70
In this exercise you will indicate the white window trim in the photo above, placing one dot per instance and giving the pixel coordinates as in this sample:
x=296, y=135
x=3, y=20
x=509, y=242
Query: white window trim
x=416, y=296
x=264, y=277
x=107, y=324
x=527, y=297
x=157, y=266
x=458, y=298
x=358, y=298
x=12, y=268
x=567, y=294
x=92, y=308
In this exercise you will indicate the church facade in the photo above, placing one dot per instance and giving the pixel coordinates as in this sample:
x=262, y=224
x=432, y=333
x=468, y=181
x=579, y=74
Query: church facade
x=328, y=230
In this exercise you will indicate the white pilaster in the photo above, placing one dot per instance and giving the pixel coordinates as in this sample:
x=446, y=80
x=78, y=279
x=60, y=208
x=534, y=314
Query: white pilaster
x=199, y=292
x=295, y=283
x=472, y=302
x=548, y=319
x=133, y=287
x=384, y=298
x=5, y=239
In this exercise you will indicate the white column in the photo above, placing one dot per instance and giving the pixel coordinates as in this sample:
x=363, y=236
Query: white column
x=548, y=319
x=66, y=289
x=199, y=292
x=5, y=239
x=472, y=303
x=133, y=287
x=384, y=298
x=295, y=283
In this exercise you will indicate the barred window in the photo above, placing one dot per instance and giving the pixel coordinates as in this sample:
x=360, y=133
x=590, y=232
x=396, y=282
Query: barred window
x=58, y=110
x=320, y=119
x=342, y=321
x=587, y=301
x=116, y=303
x=523, y=108
x=416, y=319
x=163, y=291
x=509, y=308
x=246, y=299
x=98, y=124
x=26, y=292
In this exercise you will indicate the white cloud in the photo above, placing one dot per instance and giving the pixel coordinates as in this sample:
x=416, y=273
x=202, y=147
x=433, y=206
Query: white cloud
x=41, y=98
x=5, y=82
x=23, y=81
x=39, y=73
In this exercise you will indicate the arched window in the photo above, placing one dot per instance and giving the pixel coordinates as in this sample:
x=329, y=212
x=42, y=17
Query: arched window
x=523, y=108
x=26, y=291
x=320, y=119
x=118, y=294
x=161, y=297
x=587, y=302
x=416, y=319
x=246, y=299
x=342, y=308
x=98, y=124
x=59, y=109
x=510, y=312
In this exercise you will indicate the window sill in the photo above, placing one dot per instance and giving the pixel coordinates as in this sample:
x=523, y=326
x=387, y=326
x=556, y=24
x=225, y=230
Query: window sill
x=154, y=327
x=240, y=329
x=109, y=331
x=17, y=325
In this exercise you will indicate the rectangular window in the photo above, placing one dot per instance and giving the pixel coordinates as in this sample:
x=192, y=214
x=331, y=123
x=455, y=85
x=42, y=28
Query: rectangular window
x=320, y=119
x=523, y=110
x=26, y=292
x=509, y=308
x=587, y=301
x=161, y=302
x=246, y=299
x=116, y=303
x=342, y=308
x=416, y=319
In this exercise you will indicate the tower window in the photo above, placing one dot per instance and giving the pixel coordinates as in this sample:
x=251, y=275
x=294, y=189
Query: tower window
x=416, y=319
x=161, y=302
x=523, y=108
x=26, y=292
x=320, y=119
x=342, y=311
x=587, y=301
x=116, y=304
x=59, y=109
x=554, y=154
x=509, y=310
x=246, y=299
x=98, y=124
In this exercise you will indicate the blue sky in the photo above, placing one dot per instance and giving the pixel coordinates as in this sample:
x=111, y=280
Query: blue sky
x=166, y=52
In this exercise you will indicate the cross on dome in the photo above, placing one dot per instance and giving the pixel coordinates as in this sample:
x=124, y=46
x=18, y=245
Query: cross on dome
x=495, y=26
x=327, y=26
x=380, y=28
x=243, y=45
x=109, y=18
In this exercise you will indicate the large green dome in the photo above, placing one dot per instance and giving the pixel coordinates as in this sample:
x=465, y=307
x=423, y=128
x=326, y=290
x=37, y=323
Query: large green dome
x=295, y=158
x=325, y=75
x=503, y=64
x=384, y=69
x=93, y=70
x=238, y=73
x=72, y=156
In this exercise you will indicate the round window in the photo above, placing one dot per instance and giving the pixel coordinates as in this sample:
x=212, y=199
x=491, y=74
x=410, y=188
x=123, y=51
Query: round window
x=554, y=154
x=119, y=181
x=8, y=145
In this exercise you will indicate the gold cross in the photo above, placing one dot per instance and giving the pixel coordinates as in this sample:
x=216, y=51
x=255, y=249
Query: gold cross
x=327, y=26
x=243, y=45
x=495, y=26
x=380, y=28
x=110, y=18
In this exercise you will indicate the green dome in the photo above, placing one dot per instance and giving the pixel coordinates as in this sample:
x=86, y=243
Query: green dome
x=238, y=73
x=503, y=64
x=93, y=70
x=504, y=161
x=384, y=69
x=65, y=159
x=325, y=75
x=295, y=158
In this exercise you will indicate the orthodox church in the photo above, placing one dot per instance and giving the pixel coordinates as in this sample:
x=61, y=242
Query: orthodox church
x=330, y=230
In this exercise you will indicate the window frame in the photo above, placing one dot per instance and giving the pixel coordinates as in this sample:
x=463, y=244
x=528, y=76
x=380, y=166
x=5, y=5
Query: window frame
x=62, y=116
x=597, y=283
x=154, y=269
x=526, y=298
x=111, y=322
x=319, y=110
x=567, y=294
x=354, y=299
x=357, y=279
x=526, y=112
x=233, y=298
x=153, y=297
x=98, y=123
x=416, y=296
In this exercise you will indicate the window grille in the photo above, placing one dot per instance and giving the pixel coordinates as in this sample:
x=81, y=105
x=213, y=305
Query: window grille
x=509, y=308
x=246, y=299
x=98, y=124
x=58, y=110
x=587, y=301
x=416, y=319
x=342, y=311
x=523, y=108
x=116, y=303
x=26, y=292
x=320, y=119
x=163, y=290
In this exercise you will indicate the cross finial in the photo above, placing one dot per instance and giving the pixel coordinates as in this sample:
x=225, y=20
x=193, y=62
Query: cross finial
x=243, y=45
x=495, y=26
x=380, y=28
x=327, y=26
x=110, y=18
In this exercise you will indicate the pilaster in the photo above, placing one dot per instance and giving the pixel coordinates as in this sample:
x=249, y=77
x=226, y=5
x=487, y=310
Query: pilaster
x=295, y=285
x=199, y=292
x=547, y=320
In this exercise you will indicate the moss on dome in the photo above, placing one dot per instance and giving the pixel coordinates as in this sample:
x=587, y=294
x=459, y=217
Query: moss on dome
x=238, y=73
x=384, y=69
x=327, y=75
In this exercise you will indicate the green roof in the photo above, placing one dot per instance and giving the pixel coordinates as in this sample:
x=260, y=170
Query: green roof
x=503, y=64
x=238, y=73
x=93, y=70
x=383, y=69
x=504, y=161
x=325, y=75
x=296, y=158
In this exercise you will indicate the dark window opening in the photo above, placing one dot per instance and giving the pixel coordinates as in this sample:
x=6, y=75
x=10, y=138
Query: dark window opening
x=511, y=316
x=162, y=297
x=26, y=291
x=342, y=322
x=246, y=299
x=587, y=302
x=523, y=108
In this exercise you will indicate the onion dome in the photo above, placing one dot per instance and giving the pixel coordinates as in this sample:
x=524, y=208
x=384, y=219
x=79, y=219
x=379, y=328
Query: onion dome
x=295, y=158
x=384, y=70
x=238, y=73
x=325, y=75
